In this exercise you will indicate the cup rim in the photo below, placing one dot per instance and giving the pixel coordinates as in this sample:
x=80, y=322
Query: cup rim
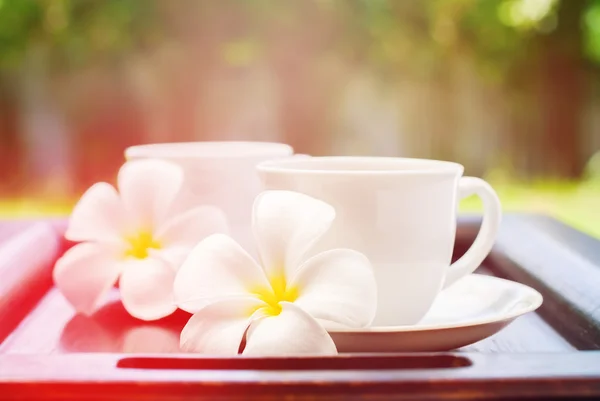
x=208, y=150
x=303, y=166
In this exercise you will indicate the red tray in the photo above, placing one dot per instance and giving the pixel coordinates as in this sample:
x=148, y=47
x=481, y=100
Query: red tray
x=49, y=353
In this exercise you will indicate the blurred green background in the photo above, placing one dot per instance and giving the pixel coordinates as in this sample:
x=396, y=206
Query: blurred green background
x=508, y=88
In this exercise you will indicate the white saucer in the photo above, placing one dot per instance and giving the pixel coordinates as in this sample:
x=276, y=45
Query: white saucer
x=471, y=310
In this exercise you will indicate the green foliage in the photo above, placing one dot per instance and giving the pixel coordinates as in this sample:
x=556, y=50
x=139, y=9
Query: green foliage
x=75, y=31
x=418, y=34
x=591, y=25
x=496, y=44
x=20, y=22
x=394, y=35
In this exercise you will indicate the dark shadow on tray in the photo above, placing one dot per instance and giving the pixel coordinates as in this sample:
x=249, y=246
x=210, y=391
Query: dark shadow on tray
x=112, y=329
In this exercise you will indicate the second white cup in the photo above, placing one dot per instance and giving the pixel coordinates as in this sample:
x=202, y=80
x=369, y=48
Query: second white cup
x=222, y=174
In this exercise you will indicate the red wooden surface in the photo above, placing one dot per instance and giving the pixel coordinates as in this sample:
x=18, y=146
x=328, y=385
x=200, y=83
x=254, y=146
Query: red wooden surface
x=49, y=352
x=28, y=250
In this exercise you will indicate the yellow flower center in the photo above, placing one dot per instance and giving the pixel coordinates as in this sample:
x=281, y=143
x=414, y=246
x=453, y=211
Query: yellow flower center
x=139, y=245
x=278, y=292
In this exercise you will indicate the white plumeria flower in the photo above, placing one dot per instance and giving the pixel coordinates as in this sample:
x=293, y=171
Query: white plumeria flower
x=282, y=305
x=132, y=236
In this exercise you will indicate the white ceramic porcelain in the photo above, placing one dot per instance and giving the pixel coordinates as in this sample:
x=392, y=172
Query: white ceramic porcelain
x=222, y=174
x=471, y=310
x=402, y=214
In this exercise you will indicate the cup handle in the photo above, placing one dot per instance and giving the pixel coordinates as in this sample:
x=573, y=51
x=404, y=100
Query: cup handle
x=492, y=214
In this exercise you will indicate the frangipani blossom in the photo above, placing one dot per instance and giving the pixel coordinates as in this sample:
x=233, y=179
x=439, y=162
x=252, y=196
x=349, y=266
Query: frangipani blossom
x=131, y=236
x=282, y=304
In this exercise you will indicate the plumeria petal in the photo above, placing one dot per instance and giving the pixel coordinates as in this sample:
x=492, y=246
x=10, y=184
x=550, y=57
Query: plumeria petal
x=146, y=288
x=174, y=256
x=85, y=274
x=148, y=188
x=189, y=228
x=217, y=267
x=338, y=286
x=292, y=332
x=286, y=224
x=97, y=216
x=219, y=328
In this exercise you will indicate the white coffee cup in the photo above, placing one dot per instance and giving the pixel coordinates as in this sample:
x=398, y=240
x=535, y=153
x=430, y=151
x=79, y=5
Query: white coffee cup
x=222, y=174
x=401, y=213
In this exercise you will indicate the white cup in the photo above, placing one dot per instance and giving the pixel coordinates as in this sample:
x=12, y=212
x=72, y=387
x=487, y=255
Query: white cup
x=222, y=174
x=401, y=213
